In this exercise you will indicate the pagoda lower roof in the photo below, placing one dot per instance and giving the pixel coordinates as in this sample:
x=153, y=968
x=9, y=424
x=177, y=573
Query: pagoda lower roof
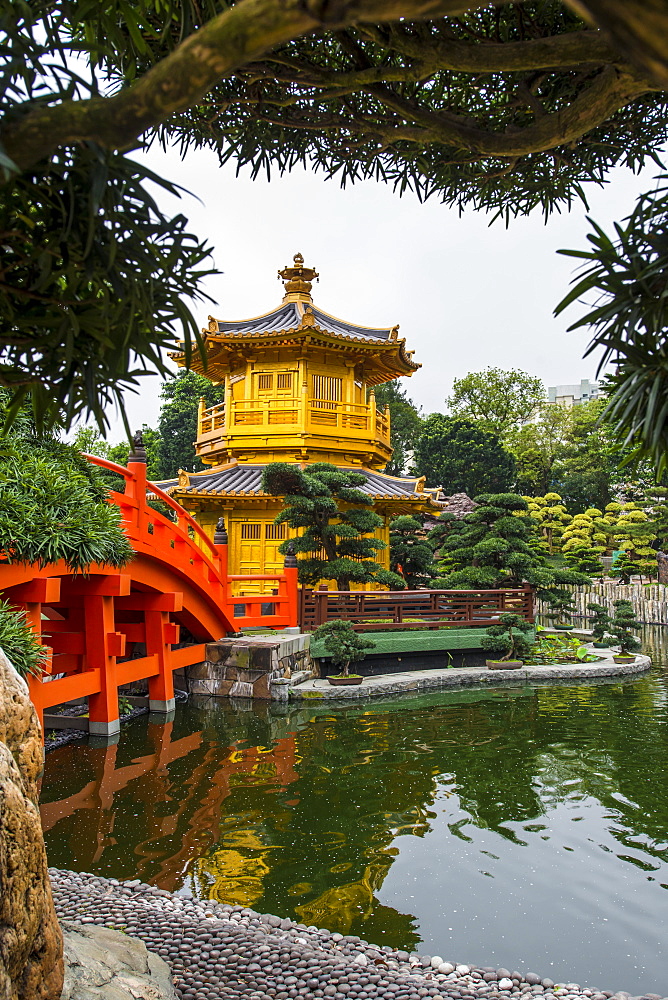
x=245, y=480
x=290, y=315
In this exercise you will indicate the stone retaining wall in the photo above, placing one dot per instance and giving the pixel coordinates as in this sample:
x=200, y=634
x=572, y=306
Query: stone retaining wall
x=260, y=666
x=388, y=685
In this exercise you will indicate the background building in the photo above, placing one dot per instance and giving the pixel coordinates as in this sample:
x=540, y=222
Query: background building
x=573, y=395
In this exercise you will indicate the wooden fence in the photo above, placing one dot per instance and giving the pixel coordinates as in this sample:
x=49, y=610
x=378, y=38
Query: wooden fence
x=406, y=610
x=650, y=602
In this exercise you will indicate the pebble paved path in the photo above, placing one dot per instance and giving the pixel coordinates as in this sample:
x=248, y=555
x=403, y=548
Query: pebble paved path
x=218, y=952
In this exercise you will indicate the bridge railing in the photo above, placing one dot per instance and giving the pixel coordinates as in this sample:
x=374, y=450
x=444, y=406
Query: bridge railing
x=409, y=610
x=188, y=548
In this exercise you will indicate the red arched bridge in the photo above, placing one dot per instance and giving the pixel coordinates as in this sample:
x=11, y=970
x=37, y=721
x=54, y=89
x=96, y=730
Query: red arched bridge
x=108, y=627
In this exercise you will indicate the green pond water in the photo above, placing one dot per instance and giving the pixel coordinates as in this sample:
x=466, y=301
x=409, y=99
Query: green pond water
x=519, y=827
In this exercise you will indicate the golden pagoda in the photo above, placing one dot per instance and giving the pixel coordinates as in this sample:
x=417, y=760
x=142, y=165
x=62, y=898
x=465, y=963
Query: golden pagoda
x=299, y=387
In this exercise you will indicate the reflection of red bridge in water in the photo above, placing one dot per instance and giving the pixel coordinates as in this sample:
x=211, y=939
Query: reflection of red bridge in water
x=174, y=834
x=112, y=626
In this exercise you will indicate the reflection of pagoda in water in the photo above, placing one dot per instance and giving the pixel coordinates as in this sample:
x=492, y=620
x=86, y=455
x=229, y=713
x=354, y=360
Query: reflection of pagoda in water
x=299, y=387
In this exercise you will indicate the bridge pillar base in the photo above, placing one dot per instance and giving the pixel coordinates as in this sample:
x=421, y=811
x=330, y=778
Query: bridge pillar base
x=104, y=728
x=163, y=707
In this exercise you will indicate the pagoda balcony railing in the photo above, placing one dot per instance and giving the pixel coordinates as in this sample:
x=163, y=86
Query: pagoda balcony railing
x=212, y=419
x=362, y=420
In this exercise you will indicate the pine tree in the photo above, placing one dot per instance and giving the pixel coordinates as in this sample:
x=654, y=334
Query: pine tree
x=634, y=533
x=552, y=517
x=623, y=625
x=332, y=513
x=583, y=542
x=492, y=547
x=410, y=554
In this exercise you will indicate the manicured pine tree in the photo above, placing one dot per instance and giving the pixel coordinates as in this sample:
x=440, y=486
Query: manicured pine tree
x=492, y=547
x=336, y=525
x=634, y=533
x=552, y=517
x=659, y=515
x=624, y=623
x=411, y=556
x=583, y=542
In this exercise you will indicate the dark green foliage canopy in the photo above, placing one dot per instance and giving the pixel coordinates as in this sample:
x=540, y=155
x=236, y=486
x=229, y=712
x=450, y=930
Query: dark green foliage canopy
x=504, y=107
x=491, y=548
x=405, y=425
x=334, y=517
x=462, y=457
x=177, y=427
x=410, y=554
x=93, y=282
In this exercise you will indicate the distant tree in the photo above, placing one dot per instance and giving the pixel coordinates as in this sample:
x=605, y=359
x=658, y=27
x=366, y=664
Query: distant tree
x=329, y=509
x=588, y=464
x=411, y=556
x=461, y=457
x=177, y=425
x=538, y=447
x=499, y=401
x=88, y=440
x=492, y=547
x=405, y=424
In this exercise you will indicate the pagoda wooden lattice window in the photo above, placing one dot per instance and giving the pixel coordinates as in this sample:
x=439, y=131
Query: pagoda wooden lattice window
x=265, y=382
x=275, y=532
x=284, y=380
x=327, y=391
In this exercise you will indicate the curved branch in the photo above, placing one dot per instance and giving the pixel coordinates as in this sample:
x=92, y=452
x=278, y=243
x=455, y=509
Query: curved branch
x=575, y=49
x=242, y=33
x=578, y=49
x=638, y=29
x=609, y=92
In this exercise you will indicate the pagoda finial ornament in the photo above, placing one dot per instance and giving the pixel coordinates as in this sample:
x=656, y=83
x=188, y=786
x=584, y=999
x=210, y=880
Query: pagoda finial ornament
x=298, y=279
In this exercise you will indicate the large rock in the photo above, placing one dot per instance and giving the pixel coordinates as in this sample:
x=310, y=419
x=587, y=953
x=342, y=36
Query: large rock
x=31, y=945
x=101, y=964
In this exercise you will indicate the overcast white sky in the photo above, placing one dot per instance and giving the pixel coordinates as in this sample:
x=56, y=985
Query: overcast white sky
x=466, y=296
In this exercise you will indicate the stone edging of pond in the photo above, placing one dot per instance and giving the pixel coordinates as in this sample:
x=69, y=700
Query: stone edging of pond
x=221, y=952
x=411, y=681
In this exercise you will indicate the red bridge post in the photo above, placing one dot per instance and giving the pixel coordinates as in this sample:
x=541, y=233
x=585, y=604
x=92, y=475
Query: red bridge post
x=291, y=571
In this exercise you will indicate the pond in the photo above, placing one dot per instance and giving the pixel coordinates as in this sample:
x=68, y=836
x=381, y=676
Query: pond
x=519, y=827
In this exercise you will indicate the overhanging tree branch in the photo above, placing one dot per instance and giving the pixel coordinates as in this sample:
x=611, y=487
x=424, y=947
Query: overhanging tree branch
x=232, y=39
x=609, y=91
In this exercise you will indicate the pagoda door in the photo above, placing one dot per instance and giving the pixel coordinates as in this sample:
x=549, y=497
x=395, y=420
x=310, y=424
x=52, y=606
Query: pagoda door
x=250, y=548
x=274, y=534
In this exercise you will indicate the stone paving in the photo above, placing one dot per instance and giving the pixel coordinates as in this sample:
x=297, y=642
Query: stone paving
x=221, y=952
x=386, y=685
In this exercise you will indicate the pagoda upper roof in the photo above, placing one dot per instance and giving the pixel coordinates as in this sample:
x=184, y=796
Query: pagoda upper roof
x=291, y=316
